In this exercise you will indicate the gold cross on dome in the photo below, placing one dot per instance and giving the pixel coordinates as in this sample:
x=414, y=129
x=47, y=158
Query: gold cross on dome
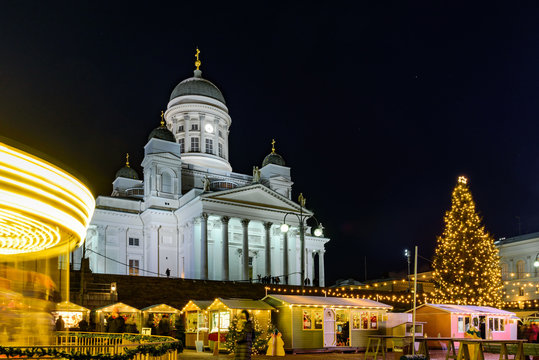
x=198, y=62
x=463, y=180
x=127, y=159
x=273, y=145
x=162, y=120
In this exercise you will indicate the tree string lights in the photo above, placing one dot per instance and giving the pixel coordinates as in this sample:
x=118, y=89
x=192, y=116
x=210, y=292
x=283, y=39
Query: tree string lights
x=466, y=261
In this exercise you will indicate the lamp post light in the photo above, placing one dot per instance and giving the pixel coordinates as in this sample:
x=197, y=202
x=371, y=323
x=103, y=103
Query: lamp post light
x=536, y=262
x=302, y=218
x=408, y=255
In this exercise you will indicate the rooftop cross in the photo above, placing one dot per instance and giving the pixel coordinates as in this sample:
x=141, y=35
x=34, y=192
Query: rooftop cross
x=198, y=62
x=127, y=159
x=273, y=146
x=162, y=119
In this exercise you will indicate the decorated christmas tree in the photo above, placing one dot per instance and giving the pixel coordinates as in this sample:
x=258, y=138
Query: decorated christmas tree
x=466, y=261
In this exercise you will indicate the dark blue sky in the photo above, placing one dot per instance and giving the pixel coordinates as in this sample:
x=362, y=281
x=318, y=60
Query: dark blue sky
x=378, y=107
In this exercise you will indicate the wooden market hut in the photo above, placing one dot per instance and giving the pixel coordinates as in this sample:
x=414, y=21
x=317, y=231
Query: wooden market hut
x=71, y=313
x=152, y=315
x=317, y=322
x=127, y=311
x=451, y=320
x=223, y=311
x=196, y=322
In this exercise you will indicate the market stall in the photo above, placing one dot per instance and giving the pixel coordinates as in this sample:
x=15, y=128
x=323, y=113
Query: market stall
x=129, y=313
x=71, y=314
x=223, y=311
x=152, y=315
x=196, y=322
x=449, y=320
x=315, y=322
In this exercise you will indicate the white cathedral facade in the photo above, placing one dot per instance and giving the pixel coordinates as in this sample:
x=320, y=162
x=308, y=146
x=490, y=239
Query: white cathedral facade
x=190, y=215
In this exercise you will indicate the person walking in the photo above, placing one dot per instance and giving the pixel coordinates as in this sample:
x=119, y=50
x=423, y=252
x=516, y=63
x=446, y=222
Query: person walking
x=60, y=324
x=116, y=323
x=163, y=328
x=245, y=340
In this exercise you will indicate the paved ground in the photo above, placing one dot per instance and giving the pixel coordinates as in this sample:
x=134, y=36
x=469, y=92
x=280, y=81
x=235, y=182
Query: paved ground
x=434, y=354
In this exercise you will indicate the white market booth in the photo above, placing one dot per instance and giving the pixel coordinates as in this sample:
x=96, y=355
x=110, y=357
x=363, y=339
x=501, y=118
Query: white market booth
x=316, y=322
x=223, y=311
x=71, y=313
x=126, y=311
x=152, y=315
x=196, y=322
x=451, y=320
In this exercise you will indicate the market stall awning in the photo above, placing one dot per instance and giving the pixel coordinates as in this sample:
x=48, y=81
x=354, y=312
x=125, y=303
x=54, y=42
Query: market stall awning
x=525, y=314
x=468, y=309
x=240, y=304
x=71, y=307
x=120, y=307
x=197, y=305
x=322, y=301
x=160, y=308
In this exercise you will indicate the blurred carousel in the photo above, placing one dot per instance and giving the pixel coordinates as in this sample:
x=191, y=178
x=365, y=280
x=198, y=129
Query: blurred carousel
x=44, y=214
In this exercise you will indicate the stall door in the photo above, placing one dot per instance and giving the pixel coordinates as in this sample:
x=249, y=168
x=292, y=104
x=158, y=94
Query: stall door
x=329, y=328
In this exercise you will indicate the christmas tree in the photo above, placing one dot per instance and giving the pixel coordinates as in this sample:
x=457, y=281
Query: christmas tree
x=466, y=261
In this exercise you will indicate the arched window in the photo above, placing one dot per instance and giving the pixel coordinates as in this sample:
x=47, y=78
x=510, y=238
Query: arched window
x=505, y=271
x=166, y=183
x=520, y=269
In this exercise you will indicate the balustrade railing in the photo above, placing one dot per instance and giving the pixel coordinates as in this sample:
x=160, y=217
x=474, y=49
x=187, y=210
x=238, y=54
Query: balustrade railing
x=99, y=346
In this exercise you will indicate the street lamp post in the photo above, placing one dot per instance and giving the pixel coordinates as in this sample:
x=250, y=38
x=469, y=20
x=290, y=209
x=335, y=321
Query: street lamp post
x=302, y=218
x=408, y=255
x=536, y=262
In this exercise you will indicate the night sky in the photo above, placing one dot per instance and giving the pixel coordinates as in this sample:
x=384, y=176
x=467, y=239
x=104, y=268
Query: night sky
x=376, y=106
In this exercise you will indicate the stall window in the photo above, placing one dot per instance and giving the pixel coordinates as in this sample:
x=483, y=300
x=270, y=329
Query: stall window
x=313, y=319
x=491, y=324
x=374, y=320
x=192, y=322
x=502, y=324
x=364, y=320
x=220, y=318
x=307, y=320
x=496, y=324
x=356, y=322
x=463, y=324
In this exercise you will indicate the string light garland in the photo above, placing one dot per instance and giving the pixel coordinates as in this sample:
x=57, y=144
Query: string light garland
x=466, y=261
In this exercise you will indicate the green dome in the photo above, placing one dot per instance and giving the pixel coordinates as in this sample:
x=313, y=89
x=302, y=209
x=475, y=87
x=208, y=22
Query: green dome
x=197, y=86
x=273, y=158
x=127, y=172
x=162, y=133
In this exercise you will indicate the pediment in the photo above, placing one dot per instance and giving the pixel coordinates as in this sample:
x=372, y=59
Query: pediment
x=255, y=195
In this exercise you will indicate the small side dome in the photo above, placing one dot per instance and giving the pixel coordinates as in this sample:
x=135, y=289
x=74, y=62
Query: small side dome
x=127, y=171
x=273, y=157
x=162, y=132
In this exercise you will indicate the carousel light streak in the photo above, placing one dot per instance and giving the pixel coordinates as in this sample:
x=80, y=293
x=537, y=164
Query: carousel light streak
x=42, y=208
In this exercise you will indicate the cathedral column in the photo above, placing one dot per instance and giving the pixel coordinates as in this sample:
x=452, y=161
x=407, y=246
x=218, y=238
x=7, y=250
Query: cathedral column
x=321, y=274
x=204, y=247
x=225, y=220
x=285, y=257
x=267, y=227
x=245, y=249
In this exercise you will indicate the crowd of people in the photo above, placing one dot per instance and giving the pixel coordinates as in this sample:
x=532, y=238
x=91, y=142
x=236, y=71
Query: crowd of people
x=528, y=332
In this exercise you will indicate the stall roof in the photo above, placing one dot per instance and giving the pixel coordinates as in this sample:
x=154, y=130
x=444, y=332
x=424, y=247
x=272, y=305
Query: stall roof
x=524, y=314
x=121, y=307
x=160, y=308
x=329, y=301
x=69, y=306
x=247, y=304
x=468, y=309
x=194, y=305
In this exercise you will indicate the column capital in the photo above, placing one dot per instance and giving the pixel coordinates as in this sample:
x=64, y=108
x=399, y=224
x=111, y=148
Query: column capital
x=205, y=216
x=225, y=219
x=267, y=225
x=245, y=222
